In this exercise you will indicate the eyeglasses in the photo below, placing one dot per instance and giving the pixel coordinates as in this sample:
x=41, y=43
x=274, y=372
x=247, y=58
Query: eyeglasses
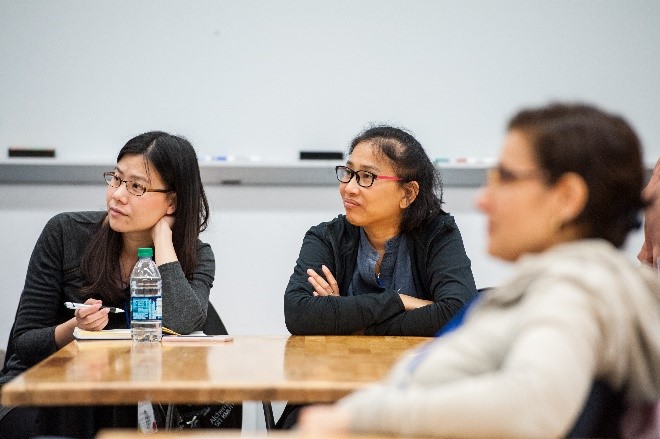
x=131, y=186
x=363, y=178
x=502, y=175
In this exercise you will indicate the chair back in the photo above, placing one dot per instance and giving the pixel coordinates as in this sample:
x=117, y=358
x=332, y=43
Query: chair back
x=6, y=355
x=229, y=414
x=213, y=324
x=601, y=415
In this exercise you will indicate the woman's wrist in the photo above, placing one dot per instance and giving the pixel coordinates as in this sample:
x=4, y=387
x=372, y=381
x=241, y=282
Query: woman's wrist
x=164, y=251
x=64, y=332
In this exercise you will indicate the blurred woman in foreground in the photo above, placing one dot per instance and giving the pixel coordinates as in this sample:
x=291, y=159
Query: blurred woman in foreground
x=561, y=201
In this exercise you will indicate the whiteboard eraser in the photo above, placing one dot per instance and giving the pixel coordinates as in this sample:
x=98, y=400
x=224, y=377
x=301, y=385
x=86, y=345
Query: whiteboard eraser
x=321, y=155
x=30, y=152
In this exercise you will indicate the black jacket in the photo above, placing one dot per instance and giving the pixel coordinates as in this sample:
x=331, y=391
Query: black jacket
x=441, y=273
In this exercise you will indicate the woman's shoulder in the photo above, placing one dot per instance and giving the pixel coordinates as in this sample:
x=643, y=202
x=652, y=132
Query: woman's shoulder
x=75, y=220
x=82, y=217
x=595, y=254
x=336, y=225
x=440, y=223
x=443, y=218
x=591, y=265
x=204, y=249
x=338, y=231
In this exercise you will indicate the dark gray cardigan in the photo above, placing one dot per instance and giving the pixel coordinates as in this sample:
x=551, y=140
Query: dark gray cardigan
x=53, y=277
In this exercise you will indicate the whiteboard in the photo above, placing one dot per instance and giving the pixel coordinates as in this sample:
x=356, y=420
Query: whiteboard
x=266, y=79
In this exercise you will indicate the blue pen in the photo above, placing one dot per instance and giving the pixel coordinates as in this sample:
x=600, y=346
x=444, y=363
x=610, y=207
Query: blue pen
x=72, y=305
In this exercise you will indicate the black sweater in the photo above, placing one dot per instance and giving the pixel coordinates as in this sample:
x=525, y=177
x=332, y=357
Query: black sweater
x=441, y=273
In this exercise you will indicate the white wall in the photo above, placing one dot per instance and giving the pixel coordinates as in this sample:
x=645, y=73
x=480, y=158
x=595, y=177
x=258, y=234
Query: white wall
x=270, y=78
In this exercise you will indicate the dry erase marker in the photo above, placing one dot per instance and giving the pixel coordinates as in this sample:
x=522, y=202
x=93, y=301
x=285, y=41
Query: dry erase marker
x=72, y=305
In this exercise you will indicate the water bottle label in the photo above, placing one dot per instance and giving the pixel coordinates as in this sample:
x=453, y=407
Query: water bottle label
x=147, y=308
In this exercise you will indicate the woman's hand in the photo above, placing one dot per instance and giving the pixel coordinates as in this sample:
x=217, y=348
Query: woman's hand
x=92, y=318
x=323, y=286
x=163, y=228
x=323, y=418
x=161, y=234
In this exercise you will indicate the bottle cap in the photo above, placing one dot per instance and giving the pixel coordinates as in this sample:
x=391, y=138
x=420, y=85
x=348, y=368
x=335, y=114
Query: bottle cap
x=146, y=252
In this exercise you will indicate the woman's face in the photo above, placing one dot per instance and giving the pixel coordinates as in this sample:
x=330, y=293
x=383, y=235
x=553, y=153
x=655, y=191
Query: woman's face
x=522, y=209
x=377, y=208
x=128, y=213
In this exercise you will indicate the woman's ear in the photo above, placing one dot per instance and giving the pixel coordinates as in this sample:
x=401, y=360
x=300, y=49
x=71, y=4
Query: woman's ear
x=572, y=194
x=171, y=207
x=410, y=192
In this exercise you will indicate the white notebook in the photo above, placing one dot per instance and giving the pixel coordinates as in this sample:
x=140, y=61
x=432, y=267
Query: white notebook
x=125, y=334
x=106, y=334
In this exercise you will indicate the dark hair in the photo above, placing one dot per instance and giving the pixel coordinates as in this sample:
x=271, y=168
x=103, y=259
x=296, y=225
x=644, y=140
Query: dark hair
x=602, y=149
x=174, y=159
x=411, y=163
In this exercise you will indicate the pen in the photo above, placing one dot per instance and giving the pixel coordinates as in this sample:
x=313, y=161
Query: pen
x=72, y=305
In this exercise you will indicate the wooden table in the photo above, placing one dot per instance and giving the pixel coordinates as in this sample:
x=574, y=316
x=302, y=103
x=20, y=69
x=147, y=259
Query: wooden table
x=299, y=369
x=228, y=434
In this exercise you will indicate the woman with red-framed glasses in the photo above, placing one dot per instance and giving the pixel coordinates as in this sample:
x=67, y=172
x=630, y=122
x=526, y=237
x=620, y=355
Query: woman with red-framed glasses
x=394, y=263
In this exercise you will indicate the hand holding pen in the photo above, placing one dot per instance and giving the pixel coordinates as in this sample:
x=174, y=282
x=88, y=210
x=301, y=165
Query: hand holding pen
x=91, y=315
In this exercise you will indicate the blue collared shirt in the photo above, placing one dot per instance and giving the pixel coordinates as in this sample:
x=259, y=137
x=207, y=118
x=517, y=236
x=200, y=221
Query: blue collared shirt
x=395, y=268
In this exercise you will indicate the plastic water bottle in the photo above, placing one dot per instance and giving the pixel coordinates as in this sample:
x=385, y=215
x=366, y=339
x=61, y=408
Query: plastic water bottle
x=146, y=299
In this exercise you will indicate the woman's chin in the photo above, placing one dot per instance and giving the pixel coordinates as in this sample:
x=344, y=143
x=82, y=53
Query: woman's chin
x=498, y=251
x=353, y=219
x=117, y=226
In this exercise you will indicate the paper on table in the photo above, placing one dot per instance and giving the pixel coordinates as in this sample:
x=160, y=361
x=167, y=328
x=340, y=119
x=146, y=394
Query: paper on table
x=106, y=334
x=125, y=334
x=196, y=337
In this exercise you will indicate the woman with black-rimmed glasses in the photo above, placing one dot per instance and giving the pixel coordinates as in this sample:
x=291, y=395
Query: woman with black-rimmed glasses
x=154, y=198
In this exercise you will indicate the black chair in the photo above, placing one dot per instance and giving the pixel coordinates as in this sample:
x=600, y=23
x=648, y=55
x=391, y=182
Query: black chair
x=232, y=414
x=214, y=326
x=10, y=347
x=601, y=414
